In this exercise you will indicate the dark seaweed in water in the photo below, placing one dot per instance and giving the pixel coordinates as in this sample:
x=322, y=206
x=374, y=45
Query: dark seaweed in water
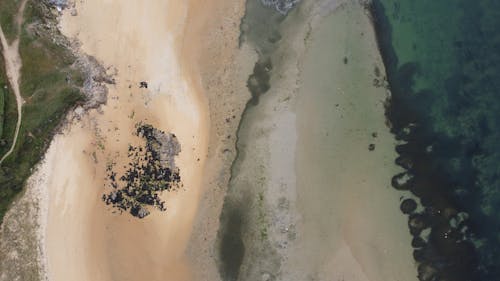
x=258, y=82
x=151, y=170
x=451, y=149
x=232, y=248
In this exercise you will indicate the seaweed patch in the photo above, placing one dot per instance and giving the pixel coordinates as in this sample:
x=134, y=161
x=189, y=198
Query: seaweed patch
x=151, y=171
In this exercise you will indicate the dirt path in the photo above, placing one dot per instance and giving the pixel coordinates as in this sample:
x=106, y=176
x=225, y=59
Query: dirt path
x=13, y=65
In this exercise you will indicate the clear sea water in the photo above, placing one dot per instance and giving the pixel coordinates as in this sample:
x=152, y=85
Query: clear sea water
x=443, y=64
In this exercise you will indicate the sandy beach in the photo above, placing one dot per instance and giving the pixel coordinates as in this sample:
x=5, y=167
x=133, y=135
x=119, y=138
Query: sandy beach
x=314, y=202
x=84, y=239
x=345, y=197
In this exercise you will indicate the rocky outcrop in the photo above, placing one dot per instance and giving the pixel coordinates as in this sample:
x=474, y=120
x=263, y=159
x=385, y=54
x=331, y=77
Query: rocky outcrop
x=151, y=171
x=282, y=6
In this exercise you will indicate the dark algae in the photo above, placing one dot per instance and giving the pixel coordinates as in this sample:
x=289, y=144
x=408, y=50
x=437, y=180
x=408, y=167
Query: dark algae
x=443, y=65
x=242, y=239
x=151, y=171
x=232, y=249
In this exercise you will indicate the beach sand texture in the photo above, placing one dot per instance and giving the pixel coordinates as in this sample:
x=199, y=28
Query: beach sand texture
x=315, y=202
x=84, y=239
x=308, y=199
x=344, y=188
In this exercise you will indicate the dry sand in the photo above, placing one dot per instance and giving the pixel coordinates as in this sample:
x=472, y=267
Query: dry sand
x=332, y=226
x=84, y=239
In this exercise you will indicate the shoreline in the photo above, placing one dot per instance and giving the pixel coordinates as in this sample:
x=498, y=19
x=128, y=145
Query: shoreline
x=278, y=217
x=443, y=226
x=101, y=275
x=204, y=90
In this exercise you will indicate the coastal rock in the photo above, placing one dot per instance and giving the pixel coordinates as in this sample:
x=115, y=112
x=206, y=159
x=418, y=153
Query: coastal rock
x=94, y=87
x=404, y=162
x=408, y=206
x=426, y=272
x=59, y=4
x=164, y=144
x=417, y=242
x=282, y=6
x=151, y=170
x=417, y=223
x=402, y=181
x=139, y=212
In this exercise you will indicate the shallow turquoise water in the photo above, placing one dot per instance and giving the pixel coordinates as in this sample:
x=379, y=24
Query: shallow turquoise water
x=443, y=63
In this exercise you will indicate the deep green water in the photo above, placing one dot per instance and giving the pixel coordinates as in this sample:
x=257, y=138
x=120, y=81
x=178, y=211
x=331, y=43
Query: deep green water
x=443, y=63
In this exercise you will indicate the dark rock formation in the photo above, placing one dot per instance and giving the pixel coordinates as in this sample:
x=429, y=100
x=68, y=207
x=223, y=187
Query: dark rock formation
x=402, y=181
x=417, y=223
x=151, y=171
x=417, y=242
x=371, y=147
x=408, y=206
x=282, y=6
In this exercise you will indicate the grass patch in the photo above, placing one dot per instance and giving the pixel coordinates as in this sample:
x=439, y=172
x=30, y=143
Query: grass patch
x=8, y=111
x=48, y=93
x=3, y=92
x=8, y=11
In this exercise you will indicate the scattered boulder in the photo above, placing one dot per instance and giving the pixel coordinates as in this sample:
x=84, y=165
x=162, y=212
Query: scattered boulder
x=151, y=171
x=408, y=206
x=402, y=181
x=417, y=223
x=426, y=272
x=282, y=6
x=417, y=242
x=404, y=162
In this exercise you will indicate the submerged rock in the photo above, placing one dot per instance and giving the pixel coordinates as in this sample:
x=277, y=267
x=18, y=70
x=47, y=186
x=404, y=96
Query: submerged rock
x=282, y=6
x=402, y=181
x=408, y=206
x=426, y=272
x=417, y=242
x=417, y=223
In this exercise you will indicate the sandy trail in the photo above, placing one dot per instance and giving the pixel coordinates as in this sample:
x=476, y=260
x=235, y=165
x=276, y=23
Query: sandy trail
x=13, y=65
x=84, y=239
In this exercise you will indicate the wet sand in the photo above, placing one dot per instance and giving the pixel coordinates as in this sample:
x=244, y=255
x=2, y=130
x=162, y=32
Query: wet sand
x=313, y=201
x=308, y=197
x=344, y=196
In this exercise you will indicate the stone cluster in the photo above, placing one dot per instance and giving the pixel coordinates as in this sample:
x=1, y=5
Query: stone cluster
x=151, y=171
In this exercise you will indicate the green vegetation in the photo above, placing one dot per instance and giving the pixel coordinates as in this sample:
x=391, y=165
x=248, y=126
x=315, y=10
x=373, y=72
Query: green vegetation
x=49, y=85
x=8, y=11
x=262, y=217
x=3, y=92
